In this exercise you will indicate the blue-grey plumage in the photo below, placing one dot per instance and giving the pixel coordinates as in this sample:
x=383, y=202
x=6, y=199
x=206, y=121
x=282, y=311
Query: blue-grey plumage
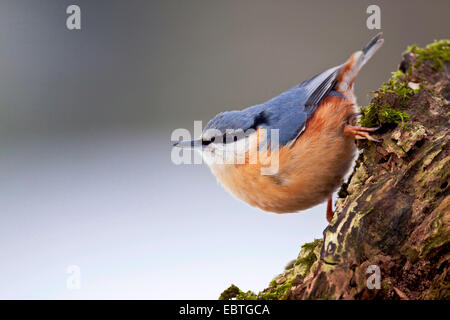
x=287, y=112
x=290, y=110
x=316, y=139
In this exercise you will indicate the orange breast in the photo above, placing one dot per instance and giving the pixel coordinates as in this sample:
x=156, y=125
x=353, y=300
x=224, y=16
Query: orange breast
x=309, y=170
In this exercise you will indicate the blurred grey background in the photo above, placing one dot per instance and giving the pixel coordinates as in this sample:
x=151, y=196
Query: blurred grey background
x=85, y=121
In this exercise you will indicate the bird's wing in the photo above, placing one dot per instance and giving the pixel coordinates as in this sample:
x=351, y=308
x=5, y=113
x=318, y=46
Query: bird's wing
x=289, y=111
x=319, y=86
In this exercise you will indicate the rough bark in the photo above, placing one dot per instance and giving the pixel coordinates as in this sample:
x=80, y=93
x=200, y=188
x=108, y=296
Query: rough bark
x=394, y=211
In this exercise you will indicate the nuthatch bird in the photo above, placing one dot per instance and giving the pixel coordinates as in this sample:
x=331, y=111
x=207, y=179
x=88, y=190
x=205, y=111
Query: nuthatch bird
x=316, y=140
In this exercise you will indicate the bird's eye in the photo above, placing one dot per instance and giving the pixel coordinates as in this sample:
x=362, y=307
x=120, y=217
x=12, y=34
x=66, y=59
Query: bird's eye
x=207, y=142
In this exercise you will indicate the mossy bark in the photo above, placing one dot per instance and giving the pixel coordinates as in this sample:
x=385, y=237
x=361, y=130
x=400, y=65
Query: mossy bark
x=394, y=211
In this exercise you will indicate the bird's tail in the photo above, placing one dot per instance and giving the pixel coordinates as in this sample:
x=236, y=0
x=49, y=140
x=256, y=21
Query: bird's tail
x=352, y=66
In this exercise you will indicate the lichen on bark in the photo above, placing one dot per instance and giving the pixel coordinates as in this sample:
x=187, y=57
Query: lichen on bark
x=394, y=211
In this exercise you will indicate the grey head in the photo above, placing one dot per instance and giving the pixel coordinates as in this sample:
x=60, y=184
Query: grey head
x=226, y=127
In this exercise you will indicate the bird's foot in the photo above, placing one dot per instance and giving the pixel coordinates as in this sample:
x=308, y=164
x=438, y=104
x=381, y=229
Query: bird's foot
x=360, y=132
x=330, y=213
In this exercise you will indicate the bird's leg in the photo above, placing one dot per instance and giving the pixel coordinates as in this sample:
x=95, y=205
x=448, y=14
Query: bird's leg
x=330, y=212
x=360, y=132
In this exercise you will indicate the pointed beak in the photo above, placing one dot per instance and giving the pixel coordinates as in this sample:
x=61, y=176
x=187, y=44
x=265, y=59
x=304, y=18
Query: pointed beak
x=191, y=144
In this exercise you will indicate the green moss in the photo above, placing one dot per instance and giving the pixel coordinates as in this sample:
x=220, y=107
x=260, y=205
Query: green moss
x=236, y=293
x=231, y=292
x=272, y=293
x=249, y=295
x=278, y=289
x=398, y=85
x=290, y=265
x=309, y=259
x=283, y=289
x=389, y=115
x=312, y=245
x=374, y=115
x=438, y=52
x=377, y=113
x=278, y=293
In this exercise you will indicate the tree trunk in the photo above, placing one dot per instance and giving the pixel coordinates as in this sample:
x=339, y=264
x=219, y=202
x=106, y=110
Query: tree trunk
x=392, y=216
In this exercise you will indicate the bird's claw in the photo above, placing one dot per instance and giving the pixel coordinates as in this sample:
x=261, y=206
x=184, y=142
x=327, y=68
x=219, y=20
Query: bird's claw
x=361, y=132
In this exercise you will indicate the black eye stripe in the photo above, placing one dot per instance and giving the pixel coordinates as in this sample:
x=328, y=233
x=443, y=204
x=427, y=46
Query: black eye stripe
x=234, y=138
x=222, y=139
x=205, y=142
